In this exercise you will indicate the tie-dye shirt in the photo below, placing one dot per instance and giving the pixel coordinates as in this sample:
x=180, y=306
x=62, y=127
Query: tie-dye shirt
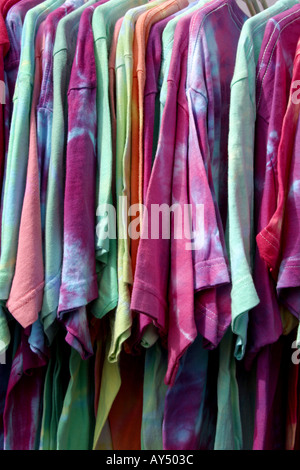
x=25, y=385
x=14, y=25
x=17, y=157
x=76, y=424
x=44, y=129
x=167, y=48
x=274, y=75
x=288, y=280
x=153, y=63
x=154, y=66
x=169, y=303
x=55, y=386
x=277, y=242
x=274, y=72
x=75, y=321
x=156, y=359
x=184, y=433
x=26, y=295
x=79, y=285
x=210, y=68
x=103, y=23
x=33, y=339
x=242, y=115
x=183, y=344
x=142, y=29
x=124, y=69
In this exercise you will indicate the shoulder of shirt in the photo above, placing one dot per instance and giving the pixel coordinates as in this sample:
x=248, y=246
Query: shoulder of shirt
x=276, y=25
x=202, y=14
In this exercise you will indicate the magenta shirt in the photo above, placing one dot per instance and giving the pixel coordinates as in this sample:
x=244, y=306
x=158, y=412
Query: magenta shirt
x=288, y=285
x=274, y=74
x=211, y=61
x=76, y=291
x=153, y=63
x=163, y=282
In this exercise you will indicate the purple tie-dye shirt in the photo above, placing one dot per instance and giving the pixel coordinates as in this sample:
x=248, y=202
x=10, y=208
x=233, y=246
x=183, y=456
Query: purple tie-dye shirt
x=79, y=277
x=211, y=60
x=169, y=303
x=274, y=74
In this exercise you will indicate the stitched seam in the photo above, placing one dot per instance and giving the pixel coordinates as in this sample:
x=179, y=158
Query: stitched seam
x=210, y=265
x=243, y=279
x=20, y=304
x=145, y=288
x=296, y=266
x=274, y=30
x=208, y=14
x=274, y=246
x=269, y=63
x=220, y=325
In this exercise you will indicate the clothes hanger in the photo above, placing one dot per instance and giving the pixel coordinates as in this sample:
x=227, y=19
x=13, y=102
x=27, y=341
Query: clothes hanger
x=264, y=4
x=255, y=5
x=250, y=7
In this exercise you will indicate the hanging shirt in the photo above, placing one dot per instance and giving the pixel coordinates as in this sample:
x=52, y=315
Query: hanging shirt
x=26, y=293
x=156, y=360
x=25, y=385
x=106, y=245
x=152, y=291
x=14, y=25
x=242, y=116
x=76, y=322
x=79, y=287
x=277, y=54
x=154, y=58
x=269, y=238
x=154, y=393
x=55, y=386
x=76, y=425
x=18, y=149
x=44, y=118
x=141, y=34
x=183, y=344
x=274, y=73
x=137, y=126
x=208, y=92
x=190, y=385
x=124, y=69
x=103, y=23
x=32, y=350
x=283, y=225
x=167, y=48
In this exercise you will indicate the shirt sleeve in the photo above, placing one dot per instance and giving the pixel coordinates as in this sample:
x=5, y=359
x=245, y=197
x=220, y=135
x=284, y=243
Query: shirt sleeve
x=288, y=284
x=210, y=264
x=240, y=205
x=26, y=294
